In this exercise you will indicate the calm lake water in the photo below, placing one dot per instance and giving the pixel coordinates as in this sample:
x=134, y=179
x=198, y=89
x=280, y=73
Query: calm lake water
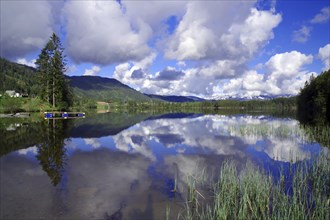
x=124, y=166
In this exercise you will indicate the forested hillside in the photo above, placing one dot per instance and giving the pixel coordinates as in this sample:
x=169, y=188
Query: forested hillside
x=14, y=76
x=23, y=79
x=314, y=99
x=104, y=89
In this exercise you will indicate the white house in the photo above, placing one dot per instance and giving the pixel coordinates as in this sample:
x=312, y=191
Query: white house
x=12, y=93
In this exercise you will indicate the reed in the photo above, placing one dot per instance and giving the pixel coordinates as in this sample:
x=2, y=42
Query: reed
x=303, y=133
x=317, y=133
x=301, y=193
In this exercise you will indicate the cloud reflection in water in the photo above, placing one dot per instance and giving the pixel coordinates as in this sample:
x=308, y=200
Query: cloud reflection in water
x=127, y=174
x=212, y=134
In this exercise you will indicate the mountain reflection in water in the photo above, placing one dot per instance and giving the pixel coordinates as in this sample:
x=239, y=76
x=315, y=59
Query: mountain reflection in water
x=122, y=166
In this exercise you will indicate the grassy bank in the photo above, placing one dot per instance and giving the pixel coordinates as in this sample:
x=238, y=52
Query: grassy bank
x=13, y=105
x=252, y=194
x=28, y=104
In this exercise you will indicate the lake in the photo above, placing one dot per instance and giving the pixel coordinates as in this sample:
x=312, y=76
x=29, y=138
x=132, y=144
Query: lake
x=134, y=166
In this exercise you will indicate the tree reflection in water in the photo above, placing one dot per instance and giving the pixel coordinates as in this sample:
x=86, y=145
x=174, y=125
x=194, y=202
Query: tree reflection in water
x=51, y=151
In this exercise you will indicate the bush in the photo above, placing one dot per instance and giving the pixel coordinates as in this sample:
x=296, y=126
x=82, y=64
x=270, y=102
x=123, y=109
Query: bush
x=9, y=104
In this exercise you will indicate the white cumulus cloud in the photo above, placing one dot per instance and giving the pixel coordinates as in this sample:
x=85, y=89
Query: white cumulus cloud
x=101, y=33
x=285, y=74
x=198, y=33
x=324, y=55
x=248, y=37
x=92, y=71
x=26, y=62
x=288, y=63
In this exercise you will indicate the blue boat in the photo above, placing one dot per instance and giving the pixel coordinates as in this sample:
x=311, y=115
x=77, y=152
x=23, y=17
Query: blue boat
x=63, y=115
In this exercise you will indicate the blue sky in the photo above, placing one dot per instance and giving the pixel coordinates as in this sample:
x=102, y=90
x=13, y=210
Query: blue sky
x=211, y=49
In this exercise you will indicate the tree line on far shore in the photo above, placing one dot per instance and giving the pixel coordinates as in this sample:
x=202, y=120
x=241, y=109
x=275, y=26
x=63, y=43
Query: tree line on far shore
x=313, y=101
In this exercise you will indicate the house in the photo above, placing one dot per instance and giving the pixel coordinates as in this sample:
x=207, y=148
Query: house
x=12, y=93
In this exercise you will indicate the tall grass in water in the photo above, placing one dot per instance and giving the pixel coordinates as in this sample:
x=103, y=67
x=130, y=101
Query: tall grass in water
x=252, y=194
x=318, y=133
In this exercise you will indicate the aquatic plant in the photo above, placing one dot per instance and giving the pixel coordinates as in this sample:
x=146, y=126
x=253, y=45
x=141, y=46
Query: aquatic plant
x=304, y=193
x=316, y=133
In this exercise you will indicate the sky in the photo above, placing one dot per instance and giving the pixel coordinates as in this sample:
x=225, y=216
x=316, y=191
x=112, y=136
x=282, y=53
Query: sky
x=211, y=49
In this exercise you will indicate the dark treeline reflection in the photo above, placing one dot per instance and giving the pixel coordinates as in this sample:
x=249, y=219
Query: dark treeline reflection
x=21, y=133
x=48, y=136
x=18, y=133
x=100, y=125
x=51, y=151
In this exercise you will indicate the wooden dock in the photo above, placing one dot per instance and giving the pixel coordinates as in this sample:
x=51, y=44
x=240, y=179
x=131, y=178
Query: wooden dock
x=63, y=115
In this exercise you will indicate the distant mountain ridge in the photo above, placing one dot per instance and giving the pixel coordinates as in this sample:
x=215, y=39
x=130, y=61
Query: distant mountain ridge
x=174, y=98
x=260, y=97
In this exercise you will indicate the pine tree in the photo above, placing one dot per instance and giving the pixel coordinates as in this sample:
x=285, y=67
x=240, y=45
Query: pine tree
x=51, y=66
x=43, y=74
x=313, y=101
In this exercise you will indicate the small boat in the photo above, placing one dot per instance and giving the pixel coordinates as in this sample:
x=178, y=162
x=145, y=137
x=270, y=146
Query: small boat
x=22, y=114
x=18, y=115
x=63, y=115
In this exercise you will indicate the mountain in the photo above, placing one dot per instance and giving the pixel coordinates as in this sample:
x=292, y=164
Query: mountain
x=260, y=97
x=104, y=89
x=14, y=76
x=173, y=98
x=22, y=78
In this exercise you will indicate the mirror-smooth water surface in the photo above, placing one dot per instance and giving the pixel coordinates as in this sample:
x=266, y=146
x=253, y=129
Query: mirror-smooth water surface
x=123, y=166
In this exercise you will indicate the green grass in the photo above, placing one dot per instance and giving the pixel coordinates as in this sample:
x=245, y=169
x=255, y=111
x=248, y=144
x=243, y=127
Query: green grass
x=13, y=105
x=252, y=194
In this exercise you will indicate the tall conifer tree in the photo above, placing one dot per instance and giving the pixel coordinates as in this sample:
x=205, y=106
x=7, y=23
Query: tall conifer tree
x=51, y=66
